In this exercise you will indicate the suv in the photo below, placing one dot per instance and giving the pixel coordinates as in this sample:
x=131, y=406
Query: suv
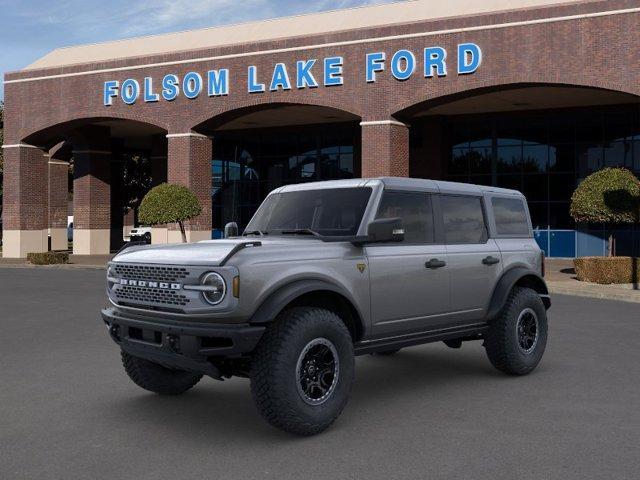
x=326, y=271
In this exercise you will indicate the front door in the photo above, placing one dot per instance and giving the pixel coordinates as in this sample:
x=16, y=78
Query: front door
x=409, y=280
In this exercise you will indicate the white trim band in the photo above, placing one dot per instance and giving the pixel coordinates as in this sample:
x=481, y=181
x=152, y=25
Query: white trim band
x=190, y=134
x=383, y=122
x=58, y=162
x=327, y=45
x=19, y=145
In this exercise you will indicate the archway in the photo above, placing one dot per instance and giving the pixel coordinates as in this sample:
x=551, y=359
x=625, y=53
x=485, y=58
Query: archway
x=259, y=148
x=113, y=163
x=541, y=139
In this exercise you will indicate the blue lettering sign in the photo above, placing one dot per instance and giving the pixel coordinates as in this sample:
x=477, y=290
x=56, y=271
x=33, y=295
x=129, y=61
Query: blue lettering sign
x=435, y=58
x=469, y=58
x=130, y=91
x=192, y=85
x=170, y=89
x=304, y=76
x=403, y=64
x=218, y=82
x=149, y=96
x=280, y=78
x=375, y=63
x=110, y=92
x=333, y=71
x=253, y=85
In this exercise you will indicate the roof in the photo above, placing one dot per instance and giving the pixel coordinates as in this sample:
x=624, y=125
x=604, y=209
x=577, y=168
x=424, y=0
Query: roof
x=404, y=183
x=287, y=27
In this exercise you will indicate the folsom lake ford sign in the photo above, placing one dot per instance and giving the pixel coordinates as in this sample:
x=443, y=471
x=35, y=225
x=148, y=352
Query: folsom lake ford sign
x=310, y=73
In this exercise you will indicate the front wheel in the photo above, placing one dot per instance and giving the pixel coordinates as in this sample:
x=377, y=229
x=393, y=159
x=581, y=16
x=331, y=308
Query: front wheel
x=302, y=371
x=516, y=339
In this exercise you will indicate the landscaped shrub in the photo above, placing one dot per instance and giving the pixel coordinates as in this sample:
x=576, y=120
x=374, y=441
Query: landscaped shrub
x=48, y=258
x=607, y=270
x=169, y=203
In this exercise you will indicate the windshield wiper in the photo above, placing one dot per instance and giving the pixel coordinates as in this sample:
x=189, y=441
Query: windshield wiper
x=301, y=231
x=255, y=232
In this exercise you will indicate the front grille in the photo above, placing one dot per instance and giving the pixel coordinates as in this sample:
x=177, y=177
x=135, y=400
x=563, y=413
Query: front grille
x=151, y=273
x=133, y=294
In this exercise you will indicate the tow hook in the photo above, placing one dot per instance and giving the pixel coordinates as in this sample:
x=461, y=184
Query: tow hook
x=173, y=343
x=114, y=331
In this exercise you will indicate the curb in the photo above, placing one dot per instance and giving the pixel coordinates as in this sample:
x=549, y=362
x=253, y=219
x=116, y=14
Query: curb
x=603, y=293
x=67, y=266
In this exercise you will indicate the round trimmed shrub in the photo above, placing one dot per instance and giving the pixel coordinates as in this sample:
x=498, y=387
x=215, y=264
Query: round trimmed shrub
x=610, y=195
x=169, y=203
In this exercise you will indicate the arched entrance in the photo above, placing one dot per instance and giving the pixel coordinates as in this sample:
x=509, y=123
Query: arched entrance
x=540, y=139
x=260, y=148
x=113, y=162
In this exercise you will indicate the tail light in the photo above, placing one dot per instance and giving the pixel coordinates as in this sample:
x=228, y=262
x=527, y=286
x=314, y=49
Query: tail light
x=542, y=267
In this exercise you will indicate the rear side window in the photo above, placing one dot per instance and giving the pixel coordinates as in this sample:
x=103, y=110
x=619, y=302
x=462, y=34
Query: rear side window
x=415, y=211
x=463, y=219
x=510, y=215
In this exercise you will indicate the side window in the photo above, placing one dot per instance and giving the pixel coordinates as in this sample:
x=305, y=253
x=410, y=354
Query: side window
x=463, y=219
x=415, y=211
x=510, y=215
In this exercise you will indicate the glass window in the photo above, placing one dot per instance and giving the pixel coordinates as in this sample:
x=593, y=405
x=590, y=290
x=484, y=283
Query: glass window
x=330, y=211
x=510, y=215
x=415, y=211
x=463, y=219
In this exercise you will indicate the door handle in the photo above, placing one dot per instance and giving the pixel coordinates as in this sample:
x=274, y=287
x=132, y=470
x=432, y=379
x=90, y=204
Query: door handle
x=490, y=260
x=435, y=263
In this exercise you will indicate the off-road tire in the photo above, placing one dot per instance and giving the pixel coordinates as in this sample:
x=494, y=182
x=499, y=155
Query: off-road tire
x=156, y=378
x=501, y=341
x=274, y=380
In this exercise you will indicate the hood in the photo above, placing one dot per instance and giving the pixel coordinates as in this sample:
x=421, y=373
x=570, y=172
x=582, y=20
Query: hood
x=211, y=252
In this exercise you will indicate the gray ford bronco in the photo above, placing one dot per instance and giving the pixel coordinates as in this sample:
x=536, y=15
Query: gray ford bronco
x=326, y=271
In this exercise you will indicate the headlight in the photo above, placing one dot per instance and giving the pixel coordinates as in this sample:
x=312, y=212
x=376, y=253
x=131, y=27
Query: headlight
x=215, y=288
x=111, y=273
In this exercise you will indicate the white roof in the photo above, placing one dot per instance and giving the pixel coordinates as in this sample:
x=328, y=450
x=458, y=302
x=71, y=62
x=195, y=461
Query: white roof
x=287, y=27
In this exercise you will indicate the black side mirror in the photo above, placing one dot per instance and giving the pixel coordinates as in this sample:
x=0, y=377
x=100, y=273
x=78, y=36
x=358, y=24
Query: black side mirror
x=231, y=230
x=385, y=230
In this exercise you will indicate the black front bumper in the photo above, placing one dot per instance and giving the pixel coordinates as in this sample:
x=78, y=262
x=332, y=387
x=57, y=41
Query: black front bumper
x=187, y=346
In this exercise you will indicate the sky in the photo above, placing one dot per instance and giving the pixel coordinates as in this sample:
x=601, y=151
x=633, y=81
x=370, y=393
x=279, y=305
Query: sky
x=31, y=28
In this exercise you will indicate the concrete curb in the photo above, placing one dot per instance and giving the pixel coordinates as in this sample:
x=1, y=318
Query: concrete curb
x=604, y=292
x=66, y=266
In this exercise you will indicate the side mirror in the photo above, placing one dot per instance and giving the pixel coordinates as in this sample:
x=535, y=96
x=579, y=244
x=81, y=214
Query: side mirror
x=231, y=230
x=385, y=230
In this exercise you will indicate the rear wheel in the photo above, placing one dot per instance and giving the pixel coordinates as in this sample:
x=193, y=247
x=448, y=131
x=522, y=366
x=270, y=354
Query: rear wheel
x=516, y=340
x=156, y=378
x=302, y=370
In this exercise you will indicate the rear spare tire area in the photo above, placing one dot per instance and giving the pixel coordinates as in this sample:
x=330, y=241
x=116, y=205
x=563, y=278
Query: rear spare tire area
x=156, y=378
x=302, y=370
x=517, y=338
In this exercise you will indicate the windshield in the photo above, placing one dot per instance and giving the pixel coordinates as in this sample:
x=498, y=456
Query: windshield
x=328, y=212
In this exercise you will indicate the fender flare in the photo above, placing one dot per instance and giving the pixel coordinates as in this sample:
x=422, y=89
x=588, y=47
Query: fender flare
x=277, y=300
x=506, y=284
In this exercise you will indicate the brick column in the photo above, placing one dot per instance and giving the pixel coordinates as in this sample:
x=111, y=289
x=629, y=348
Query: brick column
x=58, y=196
x=189, y=164
x=25, y=201
x=385, y=149
x=158, y=158
x=92, y=192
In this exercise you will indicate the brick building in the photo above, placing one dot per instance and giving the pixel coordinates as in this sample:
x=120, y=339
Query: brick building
x=526, y=94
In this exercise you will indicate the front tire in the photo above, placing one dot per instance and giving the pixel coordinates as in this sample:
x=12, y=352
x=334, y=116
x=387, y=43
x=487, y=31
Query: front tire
x=516, y=339
x=302, y=370
x=156, y=378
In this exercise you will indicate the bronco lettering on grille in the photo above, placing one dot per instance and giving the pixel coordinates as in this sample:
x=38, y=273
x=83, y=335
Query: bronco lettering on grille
x=148, y=284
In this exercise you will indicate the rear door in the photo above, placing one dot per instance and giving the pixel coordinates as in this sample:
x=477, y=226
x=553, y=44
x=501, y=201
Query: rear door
x=406, y=293
x=474, y=260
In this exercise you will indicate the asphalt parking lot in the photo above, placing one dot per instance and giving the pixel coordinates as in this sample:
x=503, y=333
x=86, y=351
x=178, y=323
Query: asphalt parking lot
x=67, y=409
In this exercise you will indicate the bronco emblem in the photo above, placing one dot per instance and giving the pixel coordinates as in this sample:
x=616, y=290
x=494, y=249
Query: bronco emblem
x=144, y=283
x=361, y=267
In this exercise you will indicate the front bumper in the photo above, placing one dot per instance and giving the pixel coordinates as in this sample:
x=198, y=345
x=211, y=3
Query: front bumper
x=177, y=344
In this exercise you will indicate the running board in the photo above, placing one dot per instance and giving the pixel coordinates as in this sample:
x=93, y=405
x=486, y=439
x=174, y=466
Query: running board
x=468, y=332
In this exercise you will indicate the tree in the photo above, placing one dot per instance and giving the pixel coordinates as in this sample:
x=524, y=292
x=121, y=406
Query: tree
x=136, y=182
x=608, y=196
x=169, y=203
